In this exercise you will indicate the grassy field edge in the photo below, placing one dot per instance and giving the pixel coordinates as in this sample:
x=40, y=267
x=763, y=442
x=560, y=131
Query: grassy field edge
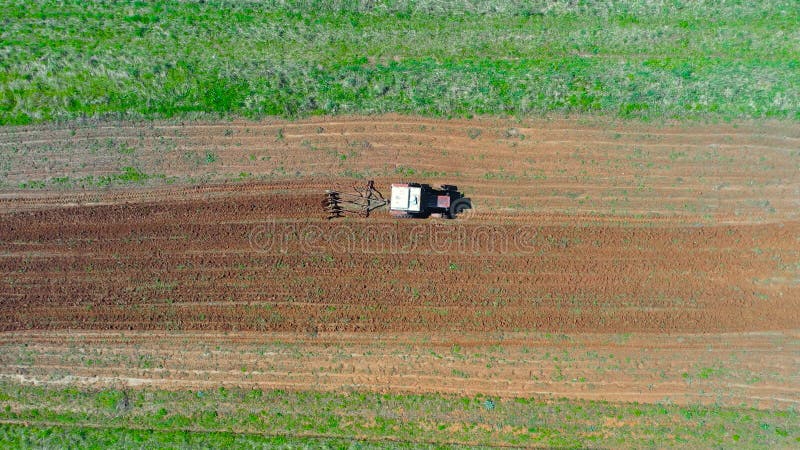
x=159, y=60
x=55, y=416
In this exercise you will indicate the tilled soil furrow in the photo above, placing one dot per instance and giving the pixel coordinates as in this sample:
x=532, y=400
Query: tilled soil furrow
x=252, y=261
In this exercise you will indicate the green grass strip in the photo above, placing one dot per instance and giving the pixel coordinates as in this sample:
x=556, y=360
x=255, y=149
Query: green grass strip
x=224, y=414
x=162, y=59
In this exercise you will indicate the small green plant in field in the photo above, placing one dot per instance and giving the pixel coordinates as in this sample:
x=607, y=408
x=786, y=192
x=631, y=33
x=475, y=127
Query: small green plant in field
x=131, y=174
x=210, y=158
x=128, y=175
x=459, y=373
x=405, y=171
x=708, y=372
x=34, y=184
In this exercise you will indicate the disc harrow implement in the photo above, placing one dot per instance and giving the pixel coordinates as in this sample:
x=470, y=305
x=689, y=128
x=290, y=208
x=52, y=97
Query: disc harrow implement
x=365, y=200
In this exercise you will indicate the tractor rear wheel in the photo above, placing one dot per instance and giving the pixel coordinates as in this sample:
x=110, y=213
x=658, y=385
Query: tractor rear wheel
x=458, y=207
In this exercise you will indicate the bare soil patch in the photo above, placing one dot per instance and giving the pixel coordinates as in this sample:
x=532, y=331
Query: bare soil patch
x=755, y=369
x=676, y=234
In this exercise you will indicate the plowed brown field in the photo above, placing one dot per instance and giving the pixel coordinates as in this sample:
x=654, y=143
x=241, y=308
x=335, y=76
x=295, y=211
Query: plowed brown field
x=580, y=227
